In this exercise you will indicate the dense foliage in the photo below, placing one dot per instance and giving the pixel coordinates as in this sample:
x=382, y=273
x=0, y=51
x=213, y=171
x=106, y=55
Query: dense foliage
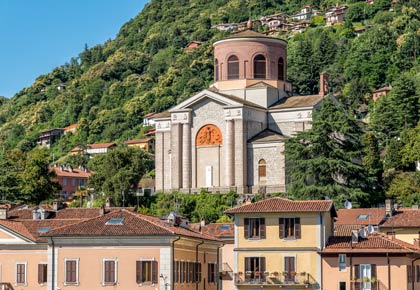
x=109, y=87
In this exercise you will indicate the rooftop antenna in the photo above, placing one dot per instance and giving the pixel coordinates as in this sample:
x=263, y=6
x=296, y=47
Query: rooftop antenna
x=347, y=204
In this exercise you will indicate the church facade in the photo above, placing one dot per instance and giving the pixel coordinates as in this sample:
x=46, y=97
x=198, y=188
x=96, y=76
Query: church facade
x=232, y=135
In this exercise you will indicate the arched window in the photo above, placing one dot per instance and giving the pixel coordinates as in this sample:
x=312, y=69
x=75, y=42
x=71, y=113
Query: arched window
x=281, y=69
x=262, y=170
x=233, y=68
x=216, y=70
x=259, y=67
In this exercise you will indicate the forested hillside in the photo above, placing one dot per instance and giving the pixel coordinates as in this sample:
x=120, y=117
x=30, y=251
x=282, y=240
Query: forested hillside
x=109, y=87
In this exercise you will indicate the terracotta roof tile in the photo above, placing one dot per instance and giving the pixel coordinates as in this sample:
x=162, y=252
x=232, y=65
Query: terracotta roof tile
x=360, y=216
x=297, y=102
x=277, y=204
x=218, y=230
x=138, y=141
x=101, y=145
x=404, y=217
x=75, y=172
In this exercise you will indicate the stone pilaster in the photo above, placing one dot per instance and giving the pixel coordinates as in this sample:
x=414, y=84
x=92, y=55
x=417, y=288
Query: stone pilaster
x=229, y=153
x=176, y=154
x=186, y=155
x=159, y=161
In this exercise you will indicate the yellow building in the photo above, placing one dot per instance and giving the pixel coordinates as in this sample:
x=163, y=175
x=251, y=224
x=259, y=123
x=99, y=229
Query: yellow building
x=277, y=242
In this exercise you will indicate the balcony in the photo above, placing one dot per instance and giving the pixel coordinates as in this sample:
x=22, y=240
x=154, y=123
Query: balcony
x=281, y=279
x=359, y=285
x=6, y=286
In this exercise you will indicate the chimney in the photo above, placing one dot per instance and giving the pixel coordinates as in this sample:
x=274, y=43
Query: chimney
x=109, y=202
x=4, y=211
x=203, y=222
x=56, y=205
x=323, y=84
x=249, y=24
x=389, y=208
x=354, y=236
x=248, y=200
x=102, y=210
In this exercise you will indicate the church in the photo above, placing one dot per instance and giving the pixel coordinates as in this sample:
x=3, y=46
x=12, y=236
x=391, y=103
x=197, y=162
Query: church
x=232, y=135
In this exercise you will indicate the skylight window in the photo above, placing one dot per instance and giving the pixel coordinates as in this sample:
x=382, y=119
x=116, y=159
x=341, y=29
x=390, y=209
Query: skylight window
x=363, y=217
x=115, y=221
x=224, y=227
x=44, y=230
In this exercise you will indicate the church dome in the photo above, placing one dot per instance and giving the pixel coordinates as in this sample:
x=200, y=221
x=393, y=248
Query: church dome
x=249, y=55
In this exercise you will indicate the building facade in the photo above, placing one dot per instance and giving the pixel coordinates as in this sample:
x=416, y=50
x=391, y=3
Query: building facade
x=231, y=136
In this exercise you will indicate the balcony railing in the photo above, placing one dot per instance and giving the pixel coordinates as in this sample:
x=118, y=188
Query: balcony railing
x=6, y=286
x=360, y=285
x=275, y=278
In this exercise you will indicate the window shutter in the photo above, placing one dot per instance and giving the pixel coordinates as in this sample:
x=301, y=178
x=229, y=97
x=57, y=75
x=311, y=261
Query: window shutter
x=40, y=273
x=281, y=228
x=209, y=273
x=154, y=272
x=262, y=264
x=262, y=228
x=138, y=272
x=357, y=271
x=246, y=228
x=297, y=228
x=247, y=264
x=373, y=270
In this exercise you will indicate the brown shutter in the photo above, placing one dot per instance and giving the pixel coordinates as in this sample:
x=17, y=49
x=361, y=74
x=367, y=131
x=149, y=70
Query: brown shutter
x=40, y=273
x=297, y=228
x=138, y=271
x=262, y=264
x=357, y=271
x=208, y=272
x=281, y=228
x=262, y=228
x=247, y=264
x=246, y=228
x=154, y=272
x=373, y=270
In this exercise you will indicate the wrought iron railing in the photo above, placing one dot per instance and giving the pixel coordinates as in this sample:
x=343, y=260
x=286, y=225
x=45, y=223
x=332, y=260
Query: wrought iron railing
x=367, y=285
x=275, y=278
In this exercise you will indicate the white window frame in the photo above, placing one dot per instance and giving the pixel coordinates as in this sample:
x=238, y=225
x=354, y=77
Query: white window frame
x=26, y=274
x=340, y=269
x=115, y=260
x=77, y=271
x=151, y=260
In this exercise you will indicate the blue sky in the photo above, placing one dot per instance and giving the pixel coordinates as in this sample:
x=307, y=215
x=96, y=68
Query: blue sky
x=38, y=35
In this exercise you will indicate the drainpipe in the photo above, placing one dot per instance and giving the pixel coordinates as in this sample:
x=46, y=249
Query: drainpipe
x=389, y=270
x=351, y=271
x=52, y=264
x=218, y=267
x=412, y=271
x=322, y=241
x=196, y=262
x=173, y=261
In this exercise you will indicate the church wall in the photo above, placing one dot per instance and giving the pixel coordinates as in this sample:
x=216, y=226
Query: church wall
x=256, y=121
x=209, y=156
x=264, y=97
x=207, y=112
x=273, y=154
x=289, y=122
x=167, y=161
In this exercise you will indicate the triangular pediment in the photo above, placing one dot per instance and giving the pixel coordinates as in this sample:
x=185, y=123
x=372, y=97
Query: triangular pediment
x=204, y=95
x=260, y=85
x=9, y=237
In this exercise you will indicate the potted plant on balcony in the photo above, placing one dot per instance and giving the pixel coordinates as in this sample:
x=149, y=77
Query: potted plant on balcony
x=285, y=273
x=373, y=280
x=257, y=273
x=366, y=279
x=275, y=273
x=302, y=273
x=293, y=273
x=266, y=273
x=240, y=273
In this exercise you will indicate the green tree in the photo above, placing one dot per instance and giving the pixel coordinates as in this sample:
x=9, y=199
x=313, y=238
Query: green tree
x=118, y=171
x=37, y=181
x=405, y=188
x=327, y=160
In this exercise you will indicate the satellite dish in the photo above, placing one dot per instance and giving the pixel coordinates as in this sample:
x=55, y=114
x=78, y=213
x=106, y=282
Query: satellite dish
x=347, y=204
x=371, y=229
x=362, y=233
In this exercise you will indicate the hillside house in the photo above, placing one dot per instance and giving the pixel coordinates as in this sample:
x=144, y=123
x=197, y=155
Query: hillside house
x=305, y=13
x=147, y=144
x=192, y=45
x=48, y=137
x=336, y=15
x=381, y=92
x=71, y=179
x=71, y=128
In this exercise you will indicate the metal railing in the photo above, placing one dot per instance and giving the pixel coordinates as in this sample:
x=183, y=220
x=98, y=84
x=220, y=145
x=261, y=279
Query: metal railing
x=266, y=278
x=6, y=286
x=360, y=285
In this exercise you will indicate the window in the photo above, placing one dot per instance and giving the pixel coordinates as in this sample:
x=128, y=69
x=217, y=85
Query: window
x=211, y=275
x=281, y=69
x=289, y=228
x=42, y=273
x=21, y=273
x=191, y=272
x=64, y=181
x=254, y=228
x=342, y=286
x=259, y=67
x=115, y=221
x=254, y=267
x=289, y=268
x=71, y=272
x=216, y=70
x=362, y=217
x=147, y=272
x=233, y=68
x=409, y=274
x=365, y=272
x=198, y=272
x=262, y=170
x=176, y=272
x=342, y=263
x=82, y=182
x=73, y=182
x=109, y=271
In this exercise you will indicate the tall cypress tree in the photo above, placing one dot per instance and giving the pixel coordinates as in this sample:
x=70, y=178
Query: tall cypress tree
x=327, y=160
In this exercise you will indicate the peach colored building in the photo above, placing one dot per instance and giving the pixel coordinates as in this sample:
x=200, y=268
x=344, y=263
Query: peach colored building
x=381, y=92
x=147, y=144
x=71, y=179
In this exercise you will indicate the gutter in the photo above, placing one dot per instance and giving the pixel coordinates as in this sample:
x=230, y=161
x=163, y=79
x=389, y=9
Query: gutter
x=218, y=267
x=53, y=265
x=173, y=261
x=412, y=271
x=196, y=262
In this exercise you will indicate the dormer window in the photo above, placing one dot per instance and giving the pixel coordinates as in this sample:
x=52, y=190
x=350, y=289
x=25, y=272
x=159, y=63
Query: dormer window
x=259, y=67
x=281, y=69
x=233, y=67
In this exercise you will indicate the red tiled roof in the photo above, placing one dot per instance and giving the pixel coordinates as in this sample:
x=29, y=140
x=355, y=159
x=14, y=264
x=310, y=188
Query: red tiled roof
x=138, y=141
x=374, y=243
x=297, y=102
x=68, y=128
x=404, y=217
x=77, y=149
x=383, y=89
x=218, y=230
x=149, y=115
x=350, y=216
x=101, y=145
x=133, y=224
x=75, y=173
x=277, y=204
